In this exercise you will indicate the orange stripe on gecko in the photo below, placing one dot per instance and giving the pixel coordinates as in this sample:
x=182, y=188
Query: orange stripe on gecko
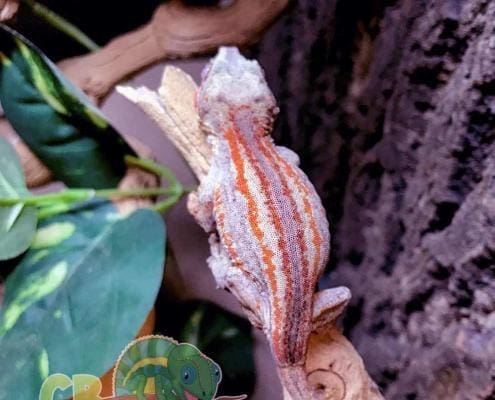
x=267, y=254
x=302, y=290
x=276, y=218
x=225, y=236
x=317, y=239
x=293, y=345
x=266, y=148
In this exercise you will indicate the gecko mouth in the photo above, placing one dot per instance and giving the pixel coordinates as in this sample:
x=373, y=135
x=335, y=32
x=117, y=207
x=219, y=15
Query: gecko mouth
x=189, y=396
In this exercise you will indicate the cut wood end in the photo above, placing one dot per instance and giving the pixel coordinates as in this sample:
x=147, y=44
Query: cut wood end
x=129, y=92
x=178, y=92
x=335, y=370
x=139, y=95
x=173, y=76
x=173, y=108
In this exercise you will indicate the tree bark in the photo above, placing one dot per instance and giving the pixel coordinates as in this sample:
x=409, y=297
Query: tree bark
x=391, y=106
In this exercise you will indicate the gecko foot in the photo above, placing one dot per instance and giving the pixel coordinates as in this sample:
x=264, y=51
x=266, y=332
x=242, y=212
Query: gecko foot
x=328, y=305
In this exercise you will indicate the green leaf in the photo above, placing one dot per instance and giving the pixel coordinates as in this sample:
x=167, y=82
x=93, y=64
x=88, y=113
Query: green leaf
x=17, y=223
x=55, y=119
x=221, y=335
x=79, y=296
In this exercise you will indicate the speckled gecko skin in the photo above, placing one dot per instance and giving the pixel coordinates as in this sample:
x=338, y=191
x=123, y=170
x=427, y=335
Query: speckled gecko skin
x=269, y=233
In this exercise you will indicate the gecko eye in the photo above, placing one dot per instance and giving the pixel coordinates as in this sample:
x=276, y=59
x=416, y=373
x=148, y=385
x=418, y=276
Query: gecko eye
x=188, y=374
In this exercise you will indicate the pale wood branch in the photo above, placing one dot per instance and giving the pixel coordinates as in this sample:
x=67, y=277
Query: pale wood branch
x=172, y=107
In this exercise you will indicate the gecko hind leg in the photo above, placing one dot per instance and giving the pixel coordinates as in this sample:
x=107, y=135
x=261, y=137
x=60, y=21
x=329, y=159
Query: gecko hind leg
x=328, y=304
x=234, y=279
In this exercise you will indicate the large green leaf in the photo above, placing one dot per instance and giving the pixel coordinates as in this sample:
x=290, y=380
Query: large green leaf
x=221, y=335
x=79, y=295
x=17, y=223
x=55, y=119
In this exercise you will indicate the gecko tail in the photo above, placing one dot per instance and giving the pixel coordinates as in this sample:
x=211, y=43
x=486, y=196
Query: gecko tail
x=295, y=383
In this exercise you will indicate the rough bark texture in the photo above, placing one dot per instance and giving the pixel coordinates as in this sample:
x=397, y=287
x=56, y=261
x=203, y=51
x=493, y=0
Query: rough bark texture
x=391, y=105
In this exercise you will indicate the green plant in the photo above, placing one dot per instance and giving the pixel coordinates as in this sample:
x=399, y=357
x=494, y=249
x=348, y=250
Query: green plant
x=80, y=278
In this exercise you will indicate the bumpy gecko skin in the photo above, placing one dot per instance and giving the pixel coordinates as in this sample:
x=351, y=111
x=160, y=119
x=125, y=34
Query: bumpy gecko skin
x=269, y=233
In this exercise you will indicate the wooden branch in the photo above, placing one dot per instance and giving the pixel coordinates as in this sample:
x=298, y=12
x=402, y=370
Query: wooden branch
x=334, y=368
x=173, y=109
x=8, y=8
x=176, y=30
x=36, y=173
x=98, y=72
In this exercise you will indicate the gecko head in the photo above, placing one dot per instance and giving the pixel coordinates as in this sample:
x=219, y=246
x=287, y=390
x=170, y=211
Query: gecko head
x=234, y=86
x=195, y=373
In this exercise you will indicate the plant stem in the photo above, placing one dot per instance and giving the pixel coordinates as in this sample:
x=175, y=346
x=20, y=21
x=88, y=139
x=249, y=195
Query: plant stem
x=52, y=210
x=157, y=169
x=60, y=23
x=138, y=192
x=72, y=195
x=56, y=203
x=175, y=187
x=165, y=205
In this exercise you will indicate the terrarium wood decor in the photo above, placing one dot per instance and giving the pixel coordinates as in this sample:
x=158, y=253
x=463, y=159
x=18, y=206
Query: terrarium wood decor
x=175, y=31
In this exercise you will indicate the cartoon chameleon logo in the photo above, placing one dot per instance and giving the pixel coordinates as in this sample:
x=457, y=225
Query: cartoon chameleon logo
x=171, y=370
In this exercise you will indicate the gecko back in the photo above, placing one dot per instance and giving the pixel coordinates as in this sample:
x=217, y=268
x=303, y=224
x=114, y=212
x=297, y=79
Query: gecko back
x=268, y=215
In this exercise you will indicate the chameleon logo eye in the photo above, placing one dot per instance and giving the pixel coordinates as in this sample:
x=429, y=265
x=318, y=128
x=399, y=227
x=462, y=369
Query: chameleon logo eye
x=217, y=374
x=188, y=374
